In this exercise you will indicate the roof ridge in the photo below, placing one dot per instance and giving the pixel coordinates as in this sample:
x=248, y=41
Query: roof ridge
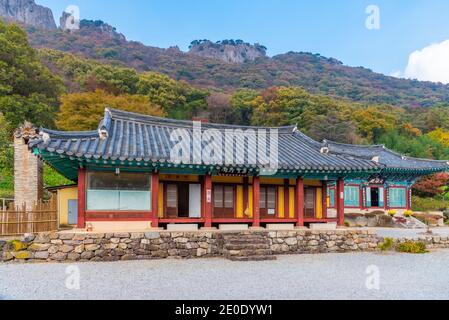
x=326, y=141
x=137, y=117
x=68, y=133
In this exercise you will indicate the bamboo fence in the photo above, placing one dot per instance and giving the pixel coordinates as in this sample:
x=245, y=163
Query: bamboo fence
x=18, y=220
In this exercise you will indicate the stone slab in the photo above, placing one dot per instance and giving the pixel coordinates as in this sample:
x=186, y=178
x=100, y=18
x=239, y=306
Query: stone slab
x=182, y=227
x=233, y=227
x=323, y=226
x=281, y=226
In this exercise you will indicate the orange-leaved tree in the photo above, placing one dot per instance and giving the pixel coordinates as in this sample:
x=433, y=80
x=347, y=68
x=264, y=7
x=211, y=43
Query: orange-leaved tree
x=82, y=111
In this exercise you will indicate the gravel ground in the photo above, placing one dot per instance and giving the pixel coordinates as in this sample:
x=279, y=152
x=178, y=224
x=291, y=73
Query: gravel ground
x=410, y=233
x=327, y=276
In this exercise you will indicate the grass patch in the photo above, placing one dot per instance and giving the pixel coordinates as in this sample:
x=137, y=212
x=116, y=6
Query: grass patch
x=429, y=204
x=415, y=247
x=387, y=245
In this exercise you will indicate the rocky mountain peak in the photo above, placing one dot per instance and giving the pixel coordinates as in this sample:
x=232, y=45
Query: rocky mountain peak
x=27, y=12
x=229, y=51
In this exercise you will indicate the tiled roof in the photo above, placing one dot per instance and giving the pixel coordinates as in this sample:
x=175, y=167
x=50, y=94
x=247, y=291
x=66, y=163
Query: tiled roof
x=138, y=138
x=385, y=156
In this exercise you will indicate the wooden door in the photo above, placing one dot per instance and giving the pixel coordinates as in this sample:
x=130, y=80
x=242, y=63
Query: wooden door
x=224, y=201
x=310, y=203
x=171, y=200
x=73, y=212
x=268, y=203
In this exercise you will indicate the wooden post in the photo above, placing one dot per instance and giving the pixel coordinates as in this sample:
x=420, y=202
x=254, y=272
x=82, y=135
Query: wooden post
x=81, y=198
x=300, y=215
x=207, y=198
x=324, y=200
x=155, y=200
x=341, y=202
x=256, y=202
x=408, y=197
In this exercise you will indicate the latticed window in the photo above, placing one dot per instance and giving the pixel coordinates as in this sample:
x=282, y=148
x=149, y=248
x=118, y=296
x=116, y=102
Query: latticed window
x=268, y=200
x=331, y=197
x=397, y=197
x=107, y=191
x=224, y=200
x=352, y=196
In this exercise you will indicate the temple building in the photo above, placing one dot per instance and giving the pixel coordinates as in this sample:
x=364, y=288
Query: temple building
x=140, y=171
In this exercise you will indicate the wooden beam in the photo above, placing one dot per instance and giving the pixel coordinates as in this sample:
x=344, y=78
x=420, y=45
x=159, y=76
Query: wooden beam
x=155, y=200
x=256, y=201
x=300, y=215
x=82, y=198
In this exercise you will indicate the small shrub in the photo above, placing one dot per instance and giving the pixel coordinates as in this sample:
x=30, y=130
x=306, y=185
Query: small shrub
x=408, y=213
x=412, y=247
x=446, y=214
x=387, y=245
x=347, y=224
x=392, y=213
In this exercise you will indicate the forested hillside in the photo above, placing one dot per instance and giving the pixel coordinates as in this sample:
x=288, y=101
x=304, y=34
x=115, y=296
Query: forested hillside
x=314, y=73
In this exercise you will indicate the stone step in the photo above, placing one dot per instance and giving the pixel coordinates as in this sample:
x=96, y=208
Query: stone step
x=246, y=246
x=243, y=238
x=248, y=252
x=252, y=258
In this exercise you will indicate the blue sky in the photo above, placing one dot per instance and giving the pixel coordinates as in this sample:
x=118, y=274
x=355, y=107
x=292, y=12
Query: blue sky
x=333, y=28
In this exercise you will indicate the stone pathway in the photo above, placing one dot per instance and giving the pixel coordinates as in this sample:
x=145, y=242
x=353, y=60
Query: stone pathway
x=408, y=233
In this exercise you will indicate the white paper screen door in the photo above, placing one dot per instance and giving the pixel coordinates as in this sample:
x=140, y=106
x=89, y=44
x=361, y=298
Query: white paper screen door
x=195, y=201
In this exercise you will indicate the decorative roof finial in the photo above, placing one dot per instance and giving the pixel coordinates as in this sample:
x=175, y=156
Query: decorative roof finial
x=27, y=131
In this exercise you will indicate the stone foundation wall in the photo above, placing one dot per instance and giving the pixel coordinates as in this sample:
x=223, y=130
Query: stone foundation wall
x=291, y=242
x=109, y=247
x=67, y=247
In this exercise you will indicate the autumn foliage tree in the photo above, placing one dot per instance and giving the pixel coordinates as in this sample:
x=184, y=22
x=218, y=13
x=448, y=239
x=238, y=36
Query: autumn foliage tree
x=431, y=186
x=82, y=111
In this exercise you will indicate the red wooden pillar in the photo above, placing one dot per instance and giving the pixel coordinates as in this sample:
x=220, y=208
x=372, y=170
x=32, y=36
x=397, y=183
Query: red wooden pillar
x=300, y=202
x=324, y=200
x=341, y=202
x=207, y=200
x=409, y=198
x=155, y=200
x=256, y=202
x=81, y=198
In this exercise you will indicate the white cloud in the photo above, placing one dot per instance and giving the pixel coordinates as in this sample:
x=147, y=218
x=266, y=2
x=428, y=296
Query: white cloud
x=429, y=64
